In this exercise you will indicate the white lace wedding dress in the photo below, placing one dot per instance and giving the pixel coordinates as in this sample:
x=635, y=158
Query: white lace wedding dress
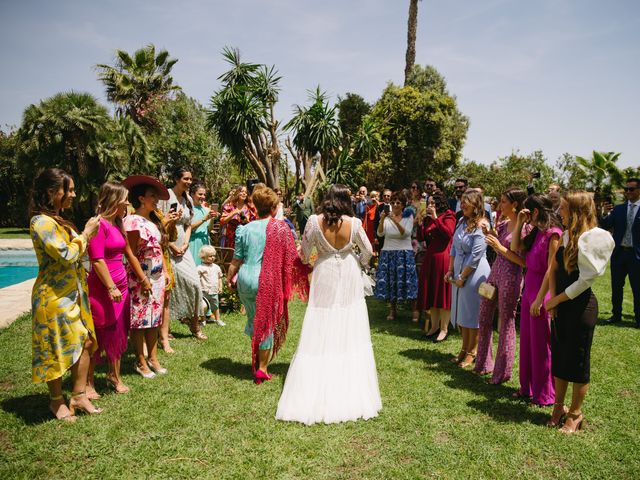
x=332, y=377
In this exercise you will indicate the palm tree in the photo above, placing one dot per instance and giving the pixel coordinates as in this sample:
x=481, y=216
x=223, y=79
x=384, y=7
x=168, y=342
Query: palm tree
x=412, y=28
x=602, y=170
x=242, y=115
x=316, y=130
x=136, y=81
x=72, y=131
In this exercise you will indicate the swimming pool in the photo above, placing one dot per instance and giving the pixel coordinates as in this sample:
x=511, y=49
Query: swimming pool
x=17, y=266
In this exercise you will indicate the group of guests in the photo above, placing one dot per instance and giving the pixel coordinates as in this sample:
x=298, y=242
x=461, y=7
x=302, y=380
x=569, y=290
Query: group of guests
x=546, y=252
x=162, y=233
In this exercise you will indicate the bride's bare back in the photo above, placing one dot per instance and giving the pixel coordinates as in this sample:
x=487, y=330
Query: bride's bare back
x=337, y=235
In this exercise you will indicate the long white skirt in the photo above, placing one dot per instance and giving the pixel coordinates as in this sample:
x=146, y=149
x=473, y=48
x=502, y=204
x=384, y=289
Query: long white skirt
x=332, y=377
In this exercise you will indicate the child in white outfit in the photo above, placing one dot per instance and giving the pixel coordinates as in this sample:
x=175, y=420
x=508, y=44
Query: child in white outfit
x=210, y=283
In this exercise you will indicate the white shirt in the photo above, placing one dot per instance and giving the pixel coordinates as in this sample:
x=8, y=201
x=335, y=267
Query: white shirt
x=393, y=240
x=594, y=250
x=209, y=278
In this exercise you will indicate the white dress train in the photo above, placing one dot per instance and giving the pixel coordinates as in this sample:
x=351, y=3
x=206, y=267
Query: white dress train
x=332, y=377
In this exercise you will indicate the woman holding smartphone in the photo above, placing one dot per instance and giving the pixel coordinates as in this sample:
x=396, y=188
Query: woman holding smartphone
x=200, y=221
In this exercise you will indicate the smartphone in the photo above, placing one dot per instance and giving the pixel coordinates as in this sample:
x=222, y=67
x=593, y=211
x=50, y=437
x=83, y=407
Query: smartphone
x=173, y=206
x=215, y=207
x=536, y=175
x=386, y=208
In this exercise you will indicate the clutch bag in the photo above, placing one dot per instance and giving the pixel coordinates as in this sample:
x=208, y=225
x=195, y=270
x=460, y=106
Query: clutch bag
x=487, y=291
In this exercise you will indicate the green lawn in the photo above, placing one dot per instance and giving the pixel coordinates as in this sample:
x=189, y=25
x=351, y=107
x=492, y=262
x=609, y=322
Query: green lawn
x=14, y=232
x=206, y=419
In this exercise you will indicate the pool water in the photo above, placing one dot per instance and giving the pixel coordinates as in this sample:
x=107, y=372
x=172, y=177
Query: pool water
x=17, y=266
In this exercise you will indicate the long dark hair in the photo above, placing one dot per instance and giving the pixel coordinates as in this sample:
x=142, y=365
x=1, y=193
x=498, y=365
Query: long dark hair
x=440, y=202
x=51, y=179
x=178, y=172
x=546, y=217
x=515, y=195
x=140, y=190
x=336, y=203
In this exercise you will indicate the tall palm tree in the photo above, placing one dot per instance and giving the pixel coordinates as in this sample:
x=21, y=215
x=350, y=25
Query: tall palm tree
x=604, y=174
x=136, y=81
x=242, y=115
x=412, y=28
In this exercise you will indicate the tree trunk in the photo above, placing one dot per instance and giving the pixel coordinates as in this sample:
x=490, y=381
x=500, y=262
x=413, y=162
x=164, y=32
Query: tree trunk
x=412, y=27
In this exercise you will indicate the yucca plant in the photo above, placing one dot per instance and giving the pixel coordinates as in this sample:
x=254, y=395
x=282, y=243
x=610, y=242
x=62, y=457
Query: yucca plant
x=602, y=170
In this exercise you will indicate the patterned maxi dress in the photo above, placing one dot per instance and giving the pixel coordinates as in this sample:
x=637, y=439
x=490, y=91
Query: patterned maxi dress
x=186, y=297
x=59, y=302
x=146, y=311
x=200, y=235
x=507, y=278
x=111, y=319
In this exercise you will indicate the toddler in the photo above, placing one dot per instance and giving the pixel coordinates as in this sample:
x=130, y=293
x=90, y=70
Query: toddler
x=210, y=283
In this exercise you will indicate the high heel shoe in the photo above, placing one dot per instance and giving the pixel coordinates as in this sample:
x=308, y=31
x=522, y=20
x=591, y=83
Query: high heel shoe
x=159, y=370
x=446, y=335
x=578, y=423
x=459, y=358
x=68, y=417
x=148, y=374
x=119, y=387
x=261, y=376
x=196, y=331
x=469, y=358
x=555, y=422
x=75, y=405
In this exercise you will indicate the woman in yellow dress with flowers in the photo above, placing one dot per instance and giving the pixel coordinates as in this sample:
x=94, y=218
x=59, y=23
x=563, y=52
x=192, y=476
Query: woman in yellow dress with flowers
x=63, y=334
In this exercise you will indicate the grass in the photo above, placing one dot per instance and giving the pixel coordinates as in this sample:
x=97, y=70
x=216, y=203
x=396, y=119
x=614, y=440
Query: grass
x=206, y=419
x=14, y=232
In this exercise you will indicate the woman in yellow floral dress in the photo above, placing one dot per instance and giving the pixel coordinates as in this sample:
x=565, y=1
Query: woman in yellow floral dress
x=63, y=335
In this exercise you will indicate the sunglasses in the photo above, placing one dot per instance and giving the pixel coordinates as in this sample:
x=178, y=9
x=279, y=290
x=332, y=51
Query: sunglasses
x=397, y=202
x=629, y=189
x=459, y=187
x=386, y=196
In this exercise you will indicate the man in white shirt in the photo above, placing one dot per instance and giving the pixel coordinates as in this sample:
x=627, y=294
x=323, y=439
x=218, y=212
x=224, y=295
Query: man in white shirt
x=624, y=222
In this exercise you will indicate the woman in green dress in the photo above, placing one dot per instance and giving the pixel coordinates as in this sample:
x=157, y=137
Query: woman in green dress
x=200, y=222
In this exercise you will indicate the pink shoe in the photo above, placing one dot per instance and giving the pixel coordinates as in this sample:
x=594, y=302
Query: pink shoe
x=261, y=376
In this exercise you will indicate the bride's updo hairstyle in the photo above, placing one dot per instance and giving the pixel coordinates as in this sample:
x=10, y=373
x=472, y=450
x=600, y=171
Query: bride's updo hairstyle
x=336, y=203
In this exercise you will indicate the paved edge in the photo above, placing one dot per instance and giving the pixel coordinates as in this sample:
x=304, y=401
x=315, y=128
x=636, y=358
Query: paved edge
x=15, y=300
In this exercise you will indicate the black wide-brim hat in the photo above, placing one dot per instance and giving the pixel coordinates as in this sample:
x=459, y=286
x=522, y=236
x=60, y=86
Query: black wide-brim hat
x=134, y=180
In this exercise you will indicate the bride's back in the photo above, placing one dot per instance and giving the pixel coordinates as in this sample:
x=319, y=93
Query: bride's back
x=337, y=235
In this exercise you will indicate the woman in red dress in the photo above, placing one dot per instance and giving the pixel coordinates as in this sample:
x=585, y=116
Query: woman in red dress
x=236, y=212
x=434, y=294
x=370, y=216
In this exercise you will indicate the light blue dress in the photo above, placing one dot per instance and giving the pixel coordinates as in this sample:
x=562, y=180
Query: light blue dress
x=468, y=250
x=249, y=247
x=199, y=236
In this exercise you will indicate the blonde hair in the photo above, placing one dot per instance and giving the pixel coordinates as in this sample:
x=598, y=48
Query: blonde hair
x=582, y=217
x=474, y=198
x=109, y=197
x=207, y=250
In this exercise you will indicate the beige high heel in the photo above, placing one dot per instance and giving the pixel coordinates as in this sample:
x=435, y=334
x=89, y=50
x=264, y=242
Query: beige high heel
x=73, y=405
x=555, y=422
x=69, y=417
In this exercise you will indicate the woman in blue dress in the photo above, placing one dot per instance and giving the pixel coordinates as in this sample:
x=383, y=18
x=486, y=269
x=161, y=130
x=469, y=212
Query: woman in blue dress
x=199, y=222
x=468, y=268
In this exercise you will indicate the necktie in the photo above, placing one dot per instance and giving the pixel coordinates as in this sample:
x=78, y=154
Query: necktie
x=631, y=215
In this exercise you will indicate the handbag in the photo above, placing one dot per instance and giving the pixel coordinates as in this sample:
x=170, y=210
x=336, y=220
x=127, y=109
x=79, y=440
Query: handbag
x=487, y=291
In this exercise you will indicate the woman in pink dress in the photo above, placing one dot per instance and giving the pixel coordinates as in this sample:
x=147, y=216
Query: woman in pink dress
x=506, y=276
x=236, y=212
x=108, y=285
x=539, y=247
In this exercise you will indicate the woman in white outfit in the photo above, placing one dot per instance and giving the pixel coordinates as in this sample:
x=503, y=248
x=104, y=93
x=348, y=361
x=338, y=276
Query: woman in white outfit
x=332, y=377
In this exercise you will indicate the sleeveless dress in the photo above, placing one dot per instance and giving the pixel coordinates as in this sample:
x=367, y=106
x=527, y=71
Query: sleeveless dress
x=199, y=236
x=332, y=377
x=111, y=319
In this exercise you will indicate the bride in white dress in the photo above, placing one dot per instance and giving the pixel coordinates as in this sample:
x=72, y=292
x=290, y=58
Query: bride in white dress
x=332, y=377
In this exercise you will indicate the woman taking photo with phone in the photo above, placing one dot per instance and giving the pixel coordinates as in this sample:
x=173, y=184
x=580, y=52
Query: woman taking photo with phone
x=539, y=248
x=63, y=335
x=186, y=297
x=396, y=277
x=200, y=222
x=581, y=258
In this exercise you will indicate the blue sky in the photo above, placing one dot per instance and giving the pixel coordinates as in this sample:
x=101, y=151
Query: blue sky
x=561, y=76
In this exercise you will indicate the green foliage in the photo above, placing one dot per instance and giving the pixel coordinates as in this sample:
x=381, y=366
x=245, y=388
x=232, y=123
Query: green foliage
x=135, y=82
x=316, y=127
x=511, y=171
x=14, y=186
x=427, y=79
x=422, y=130
x=71, y=131
x=568, y=173
x=182, y=137
x=352, y=109
x=602, y=171
x=241, y=113
x=344, y=170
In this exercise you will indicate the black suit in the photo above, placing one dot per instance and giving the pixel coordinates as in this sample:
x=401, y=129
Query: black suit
x=624, y=260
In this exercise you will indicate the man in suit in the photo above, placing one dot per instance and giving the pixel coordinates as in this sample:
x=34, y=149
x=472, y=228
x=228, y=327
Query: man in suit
x=459, y=186
x=384, y=200
x=360, y=203
x=624, y=222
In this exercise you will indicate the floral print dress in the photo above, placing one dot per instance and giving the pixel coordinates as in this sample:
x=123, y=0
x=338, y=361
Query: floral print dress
x=59, y=301
x=146, y=311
